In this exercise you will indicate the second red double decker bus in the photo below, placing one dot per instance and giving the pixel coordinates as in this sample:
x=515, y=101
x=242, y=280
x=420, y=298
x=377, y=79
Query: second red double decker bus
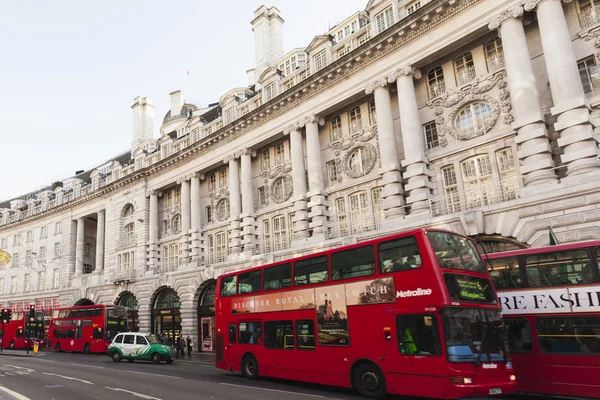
x=409, y=314
x=20, y=332
x=87, y=329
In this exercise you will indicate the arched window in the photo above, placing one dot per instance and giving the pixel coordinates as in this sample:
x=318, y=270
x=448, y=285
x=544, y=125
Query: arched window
x=223, y=211
x=465, y=69
x=167, y=299
x=128, y=210
x=360, y=162
x=589, y=12
x=494, y=55
x=435, y=81
x=473, y=120
x=176, y=224
x=282, y=189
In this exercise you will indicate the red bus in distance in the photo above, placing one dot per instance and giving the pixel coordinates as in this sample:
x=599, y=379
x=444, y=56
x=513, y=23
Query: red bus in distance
x=550, y=300
x=409, y=314
x=19, y=329
x=87, y=329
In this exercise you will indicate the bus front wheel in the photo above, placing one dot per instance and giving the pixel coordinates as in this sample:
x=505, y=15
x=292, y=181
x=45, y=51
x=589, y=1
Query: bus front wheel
x=86, y=348
x=250, y=367
x=369, y=381
x=57, y=348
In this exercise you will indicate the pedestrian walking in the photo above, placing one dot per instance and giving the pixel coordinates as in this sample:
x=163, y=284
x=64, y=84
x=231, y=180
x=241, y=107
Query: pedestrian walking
x=189, y=346
x=182, y=345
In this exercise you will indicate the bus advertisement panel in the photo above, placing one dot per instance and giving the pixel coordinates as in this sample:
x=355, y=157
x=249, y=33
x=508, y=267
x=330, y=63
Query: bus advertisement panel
x=550, y=300
x=87, y=329
x=20, y=332
x=409, y=314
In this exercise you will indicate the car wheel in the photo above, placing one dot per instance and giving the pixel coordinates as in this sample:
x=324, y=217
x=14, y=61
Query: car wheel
x=156, y=358
x=11, y=345
x=130, y=360
x=57, y=348
x=86, y=348
x=250, y=367
x=116, y=357
x=369, y=381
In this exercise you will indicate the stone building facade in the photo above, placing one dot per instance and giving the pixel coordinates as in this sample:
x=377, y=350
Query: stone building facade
x=471, y=115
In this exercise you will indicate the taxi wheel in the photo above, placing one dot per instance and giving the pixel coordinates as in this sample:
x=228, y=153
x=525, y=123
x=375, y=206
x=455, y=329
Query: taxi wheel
x=156, y=358
x=86, y=348
x=369, y=381
x=116, y=357
x=250, y=367
x=130, y=360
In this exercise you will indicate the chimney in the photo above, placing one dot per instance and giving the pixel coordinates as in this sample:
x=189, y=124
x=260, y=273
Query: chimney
x=143, y=120
x=267, y=26
x=176, y=102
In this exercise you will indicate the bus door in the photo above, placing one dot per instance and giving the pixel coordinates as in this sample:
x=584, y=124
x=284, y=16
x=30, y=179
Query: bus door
x=421, y=369
x=232, y=345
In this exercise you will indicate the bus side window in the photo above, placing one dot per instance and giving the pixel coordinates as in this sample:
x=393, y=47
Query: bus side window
x=353, y=263
x=278, y=277
x=228, y=286
x=519, y=335
x=279, y=335
x=249, y=282
x=309, y=271
x=232, y=334
x=98, y=311
x=418, y=335
x=305, y=335
x=505, y=273
x=399, y=255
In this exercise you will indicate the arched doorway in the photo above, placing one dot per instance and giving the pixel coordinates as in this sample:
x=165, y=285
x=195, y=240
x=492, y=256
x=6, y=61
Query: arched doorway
x=495, y=244
x=166, y=316
x=206, y=317
x=84, y=302
x=128, y=300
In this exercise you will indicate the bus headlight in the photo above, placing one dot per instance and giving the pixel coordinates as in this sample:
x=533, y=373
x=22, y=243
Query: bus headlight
x=512, y=378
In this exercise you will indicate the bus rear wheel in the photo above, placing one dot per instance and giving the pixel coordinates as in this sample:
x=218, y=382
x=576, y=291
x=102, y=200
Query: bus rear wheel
x=86, y=348
x=369, y=381
x=250, y=367
x=57, y=348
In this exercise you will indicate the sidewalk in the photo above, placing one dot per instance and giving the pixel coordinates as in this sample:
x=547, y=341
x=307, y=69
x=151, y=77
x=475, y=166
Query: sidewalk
x=20, y=353
x=204, y=357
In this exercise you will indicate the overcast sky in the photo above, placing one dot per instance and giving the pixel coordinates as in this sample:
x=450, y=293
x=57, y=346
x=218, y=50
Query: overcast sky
x=70, y=70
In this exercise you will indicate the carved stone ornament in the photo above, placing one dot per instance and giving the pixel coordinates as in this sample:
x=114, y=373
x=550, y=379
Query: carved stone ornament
x=379, y=83
x=222, y=211
x=505, y=15
x=452, y=102
x=531, y=5
x=282, y=189
x=346, y=144
x=407, y=70
x=368, y=163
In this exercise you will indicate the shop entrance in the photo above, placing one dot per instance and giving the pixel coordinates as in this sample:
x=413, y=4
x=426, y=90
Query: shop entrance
x=206, y=318
x=166, y=315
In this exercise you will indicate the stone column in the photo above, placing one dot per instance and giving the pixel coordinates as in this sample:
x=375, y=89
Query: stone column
x=392, y=193
x=235, y=207
x=184, y=242
x=79, y=246
x=535, y=153
x=417, y=171
x=577, y=136
x=100, y=241
x=317, y=196
x=196, y=224
x=300, y=227
x=248, y=216
x=153, y=228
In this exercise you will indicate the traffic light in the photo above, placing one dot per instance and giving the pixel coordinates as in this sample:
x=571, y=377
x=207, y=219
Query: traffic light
x=5, y=315
x=32, y=313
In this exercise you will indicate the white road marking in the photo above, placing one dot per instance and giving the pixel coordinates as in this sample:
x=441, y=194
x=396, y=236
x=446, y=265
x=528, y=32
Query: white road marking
x=148, y=373
x=196, y=362
x=69, y=378
x=271, y=390
x=41, y=359
x=16, y=395
x=143, y=396
x=87, y=365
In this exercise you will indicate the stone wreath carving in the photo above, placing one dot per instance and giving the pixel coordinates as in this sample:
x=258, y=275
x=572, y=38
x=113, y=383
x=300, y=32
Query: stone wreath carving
x=222, y=211
x=371, y=159
x=271, y=174
x=286, y=182
x=346, y=145
x=471, y=93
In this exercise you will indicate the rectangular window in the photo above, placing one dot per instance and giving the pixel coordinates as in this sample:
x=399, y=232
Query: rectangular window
x=332, y=176
x=30, y=236
x=450, y=189
x=588, y=73
x=431, y=136
x=15, y=259
x=310, y=271
x=17, y=239
x=43, y=232
x=221, y=249
x=43, y=253
x=270, y=92
x=212, y=182
x=336, y=128
x=418, y=335
x=355, y=120
x=27, y=285
x=249, y=282
x=56, y=278
x=399, y=255
x=555, y=269
x=519, y=335
x=1, y=285
x=228, y=286
x=266, y=231
x=279, y=335
x=353, y=263
x=377, y=206
x=262, y=198
x=278, y=277
x=280, y=233
x=222, y=178
x=508, y=174
x=360, y=214
x=279, y=154
x=41, y=280
x=3, y=243
x=305, y=335
x=413, y=7
x=57, y=227
x=250, y=333
x=265, y=164
x=340, y=207
x=291, y=227
x=13, y=285
x=232, y=334
x=28, y=258
x=320, y=60
x=228, y=116
x=208, y=214
x=384, y=19
x=568, y=335
x=372, y=112
x=477, y=178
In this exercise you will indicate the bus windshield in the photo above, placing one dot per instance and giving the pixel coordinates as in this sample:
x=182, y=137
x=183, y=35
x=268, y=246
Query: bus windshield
x=473, y=335
x=116, y=320
x=455, y=252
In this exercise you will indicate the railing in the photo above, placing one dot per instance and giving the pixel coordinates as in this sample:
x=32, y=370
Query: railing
x=127, y=241
x=352, y=226
x=466, y=75
x=356, y=127
x=169, y=266
x=121, y=276
x=437, y=89
x=496, y=62
x=590, y=16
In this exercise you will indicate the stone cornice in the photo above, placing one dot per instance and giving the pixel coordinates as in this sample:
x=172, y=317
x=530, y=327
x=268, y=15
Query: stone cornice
x=429, y=17
x=531, y=5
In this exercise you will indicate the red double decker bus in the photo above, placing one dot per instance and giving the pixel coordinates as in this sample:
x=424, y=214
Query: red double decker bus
x=19, y=332
x=550, y=300
x=412, y=314
x=87, y=329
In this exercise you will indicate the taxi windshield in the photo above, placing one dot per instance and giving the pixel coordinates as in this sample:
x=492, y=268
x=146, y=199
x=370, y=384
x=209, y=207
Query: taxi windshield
x=152, y=339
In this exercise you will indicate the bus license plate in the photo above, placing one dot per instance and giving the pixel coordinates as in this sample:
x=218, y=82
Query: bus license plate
x=495, y=391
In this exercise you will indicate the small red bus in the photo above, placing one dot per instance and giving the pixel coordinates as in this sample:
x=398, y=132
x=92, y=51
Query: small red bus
x=410, y=314
x=87, y=329
x=20, y=332
x=550, y=300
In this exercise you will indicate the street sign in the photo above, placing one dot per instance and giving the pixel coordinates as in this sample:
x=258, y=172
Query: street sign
x=4, y=257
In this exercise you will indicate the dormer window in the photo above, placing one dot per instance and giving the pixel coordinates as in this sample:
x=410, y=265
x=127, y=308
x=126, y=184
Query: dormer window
x=411, y=8
x=384, y=19
x=269, y=91
x=320, y=60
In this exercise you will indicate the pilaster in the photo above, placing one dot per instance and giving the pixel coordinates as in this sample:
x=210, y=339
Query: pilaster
x=196, y=224
x=153, y=247
x=248, y=217
x=301, y=224
x=235, y=209
x=184, y=242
